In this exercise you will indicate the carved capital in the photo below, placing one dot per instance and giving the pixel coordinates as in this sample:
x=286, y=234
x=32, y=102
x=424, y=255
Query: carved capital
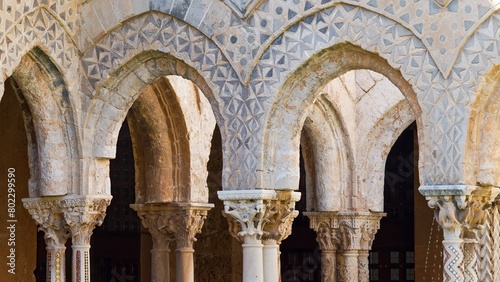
x=358, y=229
x=169, y=221
x=82, y=215
x=50, y=220
x=345, y=230
x=246, y=212
x=279, y=216
x=325, y=224
x=462, y=210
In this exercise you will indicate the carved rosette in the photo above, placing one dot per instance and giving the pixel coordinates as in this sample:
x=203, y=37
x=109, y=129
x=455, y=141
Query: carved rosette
x=169, y=221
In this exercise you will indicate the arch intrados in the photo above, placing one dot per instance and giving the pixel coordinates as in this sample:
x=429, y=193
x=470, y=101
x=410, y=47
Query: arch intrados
x=162, y=164
x=44, y=98
x=331, y=63
x=327, y=157
x=481, y=162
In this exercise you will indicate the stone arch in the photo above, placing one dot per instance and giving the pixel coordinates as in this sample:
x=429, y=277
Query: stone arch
x=296, y=97
x=114, y=100
x=328, y=158
x=482, y=156
x=162, y=148
x=53, y=145
x=199, y=60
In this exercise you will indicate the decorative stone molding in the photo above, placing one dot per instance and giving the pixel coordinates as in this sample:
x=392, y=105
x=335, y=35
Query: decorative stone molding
x=242, y=7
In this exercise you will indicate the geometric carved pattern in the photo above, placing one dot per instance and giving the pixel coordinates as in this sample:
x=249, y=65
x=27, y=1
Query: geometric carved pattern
x=245, y=109
x=422, y=18
x=38, y=28
x=155, y=31
x=452, y=268
x=78, y=266
x=441, y=100
x=484, y=252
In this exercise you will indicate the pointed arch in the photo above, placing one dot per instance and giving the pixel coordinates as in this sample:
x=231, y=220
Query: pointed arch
x=298, y=94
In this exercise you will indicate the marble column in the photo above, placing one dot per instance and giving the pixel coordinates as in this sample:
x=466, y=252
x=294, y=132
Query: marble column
x=81, y=215
x=459, y=209
x=48, y=216
x=173, y=221
x=246, y=211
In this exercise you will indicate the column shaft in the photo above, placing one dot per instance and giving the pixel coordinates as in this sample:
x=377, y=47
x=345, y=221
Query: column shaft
x=328, y=266
x=160, y=262
x=184, y=265
x=363, y=266
x=80, y=264
x=351, y=266
x=271, y=261
x=56, y=263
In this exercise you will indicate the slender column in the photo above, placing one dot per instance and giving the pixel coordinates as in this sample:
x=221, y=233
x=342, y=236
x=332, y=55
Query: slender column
x=50, y=220
x=173, y=221
x=245, y=211
x=81, y=215
x=156, y=221
x=279, y=217
x=495, y=238
x=459, y=210
x=187, y=222
x=484, y=250
x=363, y=266
x=351, y=266
x=270, y=260
x=470, y=260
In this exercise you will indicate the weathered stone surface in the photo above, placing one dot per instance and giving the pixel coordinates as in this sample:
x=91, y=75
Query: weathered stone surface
x=342, y=79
